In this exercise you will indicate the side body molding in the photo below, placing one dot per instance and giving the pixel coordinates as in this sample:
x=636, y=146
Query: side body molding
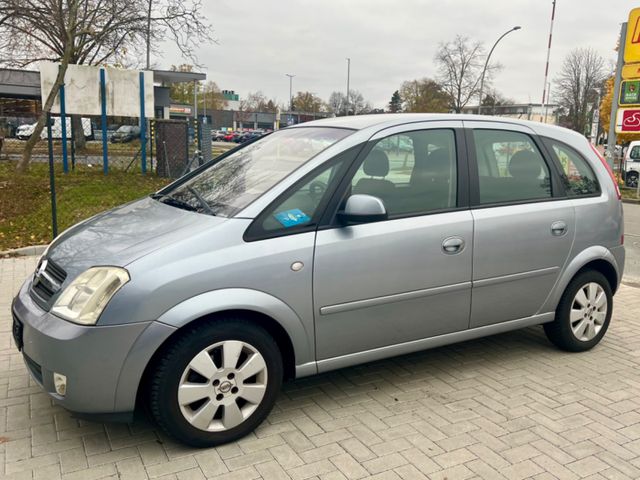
x=247, y=299
x=586, y=256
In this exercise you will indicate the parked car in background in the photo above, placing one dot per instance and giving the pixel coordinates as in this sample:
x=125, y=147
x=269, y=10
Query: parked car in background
x=218, y=135
x=230, y=136
x=24, y=132
x=322, y=246
x=632, y=164
x=250, y=136
x=125, y=134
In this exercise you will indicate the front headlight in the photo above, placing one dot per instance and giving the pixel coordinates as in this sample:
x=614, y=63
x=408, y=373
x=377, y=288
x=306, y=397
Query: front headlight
x=85, y=298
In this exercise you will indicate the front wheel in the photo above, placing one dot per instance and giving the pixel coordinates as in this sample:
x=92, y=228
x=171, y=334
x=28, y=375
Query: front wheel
x=583, y=314
x=631, y=179
x=216, y=383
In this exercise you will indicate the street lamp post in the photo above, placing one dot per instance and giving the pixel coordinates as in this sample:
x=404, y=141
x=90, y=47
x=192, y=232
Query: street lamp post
x=486, y=64
x=348, y=75
x=290, y=90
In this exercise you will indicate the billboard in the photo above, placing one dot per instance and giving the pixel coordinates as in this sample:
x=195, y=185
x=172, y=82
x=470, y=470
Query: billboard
x=82, y=90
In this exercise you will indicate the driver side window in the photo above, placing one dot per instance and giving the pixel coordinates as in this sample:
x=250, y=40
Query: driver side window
x=300, y=207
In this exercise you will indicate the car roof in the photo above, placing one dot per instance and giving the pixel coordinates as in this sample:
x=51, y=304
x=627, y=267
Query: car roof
x=385, y=120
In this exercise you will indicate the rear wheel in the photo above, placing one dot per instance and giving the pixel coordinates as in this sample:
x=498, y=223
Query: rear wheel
x=583, y=314
x=631, y=179
x=216, y=383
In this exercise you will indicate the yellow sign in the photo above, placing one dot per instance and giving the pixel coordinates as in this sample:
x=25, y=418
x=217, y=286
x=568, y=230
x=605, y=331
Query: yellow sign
x=632, y=43
x=631, y=71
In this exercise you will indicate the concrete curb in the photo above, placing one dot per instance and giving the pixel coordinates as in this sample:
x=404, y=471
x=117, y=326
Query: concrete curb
x=631, y=200
x=24, y=251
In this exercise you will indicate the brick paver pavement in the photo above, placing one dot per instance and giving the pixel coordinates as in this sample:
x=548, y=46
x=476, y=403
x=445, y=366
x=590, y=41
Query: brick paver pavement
x=508, y=406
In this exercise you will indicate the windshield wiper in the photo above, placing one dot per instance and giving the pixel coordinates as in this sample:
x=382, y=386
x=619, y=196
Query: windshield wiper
x=173, y=201
x=202, y=201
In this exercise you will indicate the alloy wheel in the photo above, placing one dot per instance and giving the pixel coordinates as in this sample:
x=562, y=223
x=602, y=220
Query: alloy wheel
x=588, y=311
x=222, y=386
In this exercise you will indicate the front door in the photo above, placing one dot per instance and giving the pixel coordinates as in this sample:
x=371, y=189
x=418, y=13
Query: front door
x=523, y=223
x=408, y=277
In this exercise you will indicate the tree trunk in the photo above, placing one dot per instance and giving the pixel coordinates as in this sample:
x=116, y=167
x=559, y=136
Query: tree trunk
x=78, y=130
x=23, y=163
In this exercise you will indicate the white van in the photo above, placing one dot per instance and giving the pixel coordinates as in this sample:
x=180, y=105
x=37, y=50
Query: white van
x=632, y=164
x=56, y=128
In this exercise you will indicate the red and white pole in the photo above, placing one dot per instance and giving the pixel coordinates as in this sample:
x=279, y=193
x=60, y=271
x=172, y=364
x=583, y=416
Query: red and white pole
x=545, y=94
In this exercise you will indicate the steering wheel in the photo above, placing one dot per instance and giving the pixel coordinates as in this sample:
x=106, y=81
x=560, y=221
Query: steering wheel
x=317, y=188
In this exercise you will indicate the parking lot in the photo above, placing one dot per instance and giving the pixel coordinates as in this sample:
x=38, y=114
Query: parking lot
x=509, y=406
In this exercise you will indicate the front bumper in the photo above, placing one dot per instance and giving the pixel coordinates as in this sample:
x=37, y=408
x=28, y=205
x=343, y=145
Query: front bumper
x=91, y=357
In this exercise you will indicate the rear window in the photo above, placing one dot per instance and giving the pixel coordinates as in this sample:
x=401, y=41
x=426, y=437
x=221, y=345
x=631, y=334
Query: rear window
x=576, y=174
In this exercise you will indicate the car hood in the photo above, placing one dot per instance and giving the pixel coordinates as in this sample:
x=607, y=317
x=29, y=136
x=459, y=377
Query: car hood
x=124, y=234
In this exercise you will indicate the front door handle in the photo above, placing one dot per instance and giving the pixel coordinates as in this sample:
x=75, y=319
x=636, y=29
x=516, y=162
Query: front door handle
x=452, y=245
x=558, y=228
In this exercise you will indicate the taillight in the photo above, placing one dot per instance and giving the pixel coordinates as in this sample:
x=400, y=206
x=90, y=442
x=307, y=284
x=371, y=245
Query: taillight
x=611, y=175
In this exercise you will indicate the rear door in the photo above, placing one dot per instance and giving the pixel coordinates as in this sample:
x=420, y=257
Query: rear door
x=523, y=222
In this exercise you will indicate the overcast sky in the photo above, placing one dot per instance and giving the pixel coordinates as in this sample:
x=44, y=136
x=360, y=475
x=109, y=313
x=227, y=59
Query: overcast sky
x=392, y=41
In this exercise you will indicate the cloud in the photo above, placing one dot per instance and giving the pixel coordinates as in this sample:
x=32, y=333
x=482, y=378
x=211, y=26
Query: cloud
x=390, y=41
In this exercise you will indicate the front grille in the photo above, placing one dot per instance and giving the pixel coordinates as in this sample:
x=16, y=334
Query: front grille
x=47, y=281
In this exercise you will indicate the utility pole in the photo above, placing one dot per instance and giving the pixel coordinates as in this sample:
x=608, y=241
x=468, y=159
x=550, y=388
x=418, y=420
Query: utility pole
x=546, y=105
x=348, y=78
x=611, y=139
x=545, y=96
x=290, y=90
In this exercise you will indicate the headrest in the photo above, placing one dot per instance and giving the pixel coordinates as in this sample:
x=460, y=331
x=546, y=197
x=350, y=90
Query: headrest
x=525, y=165
x=376, y=164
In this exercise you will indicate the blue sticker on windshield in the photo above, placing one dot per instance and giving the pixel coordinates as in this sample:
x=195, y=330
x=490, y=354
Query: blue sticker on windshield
x=291, y=218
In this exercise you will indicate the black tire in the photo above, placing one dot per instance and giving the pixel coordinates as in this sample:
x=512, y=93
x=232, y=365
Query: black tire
x=559, y=332
x=631, y=179
x=163, y=396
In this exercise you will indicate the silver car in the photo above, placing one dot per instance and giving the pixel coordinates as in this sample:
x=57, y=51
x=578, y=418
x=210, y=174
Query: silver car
x=317, y=247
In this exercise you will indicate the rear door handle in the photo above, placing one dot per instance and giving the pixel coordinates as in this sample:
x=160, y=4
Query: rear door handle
x=452, y=245
x=558, y=228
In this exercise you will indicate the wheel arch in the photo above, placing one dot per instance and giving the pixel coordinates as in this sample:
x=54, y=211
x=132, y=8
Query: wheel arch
x=594, y=258
x=287, y=329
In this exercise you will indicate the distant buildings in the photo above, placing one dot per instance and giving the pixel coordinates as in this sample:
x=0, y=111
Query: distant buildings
x=537, y=112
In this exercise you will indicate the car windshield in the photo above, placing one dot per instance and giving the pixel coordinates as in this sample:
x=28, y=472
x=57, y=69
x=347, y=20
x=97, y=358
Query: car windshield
x=234, y=182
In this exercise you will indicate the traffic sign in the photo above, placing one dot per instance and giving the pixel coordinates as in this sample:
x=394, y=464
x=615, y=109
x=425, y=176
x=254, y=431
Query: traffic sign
x=630, y=92
x=632, y=43
x=631, y=71
x=628, y=120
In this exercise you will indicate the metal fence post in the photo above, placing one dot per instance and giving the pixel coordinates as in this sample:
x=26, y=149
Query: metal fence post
x=103, y=106
x=63, y=122
x=52, y=180
x=73, y=144
x=143, y=128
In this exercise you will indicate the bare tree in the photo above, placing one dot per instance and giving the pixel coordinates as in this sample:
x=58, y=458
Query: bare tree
x=583, y=71
x=425, y=95
x=337, y=103
x=460, y=64
x=93, y=32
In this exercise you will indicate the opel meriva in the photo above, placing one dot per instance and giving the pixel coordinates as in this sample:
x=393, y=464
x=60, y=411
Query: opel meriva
x=316, y=247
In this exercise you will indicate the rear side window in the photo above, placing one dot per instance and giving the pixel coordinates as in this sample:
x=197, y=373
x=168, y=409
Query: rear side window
x=576, y=174
x=510, y=167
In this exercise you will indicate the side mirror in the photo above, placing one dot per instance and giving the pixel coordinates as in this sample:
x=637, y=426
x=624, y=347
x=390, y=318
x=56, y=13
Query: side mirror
x=363, y=209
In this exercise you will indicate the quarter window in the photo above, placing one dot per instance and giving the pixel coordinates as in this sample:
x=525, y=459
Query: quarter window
x=413, y=172
x=576, y=174
x=510, y=167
